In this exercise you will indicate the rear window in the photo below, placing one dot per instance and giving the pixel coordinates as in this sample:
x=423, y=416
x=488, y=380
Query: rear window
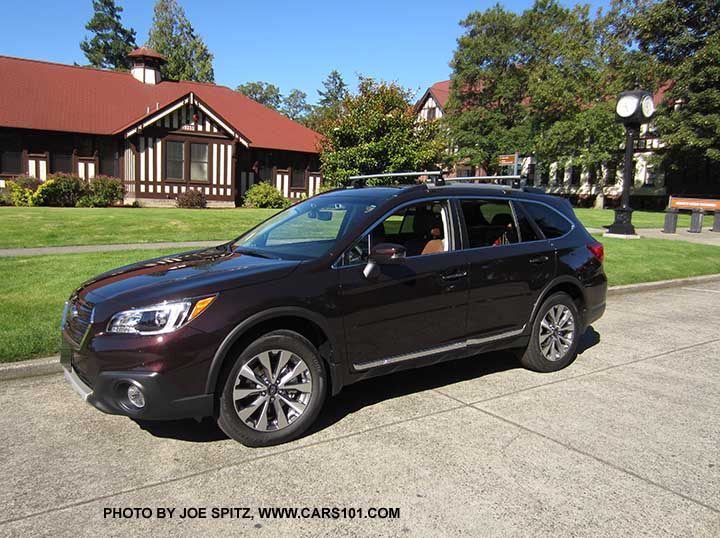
x=551, y=223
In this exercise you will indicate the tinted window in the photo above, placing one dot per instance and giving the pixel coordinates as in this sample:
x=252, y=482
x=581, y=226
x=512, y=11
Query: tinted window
x=550, y=222
x=527, y=231
x=489, y=223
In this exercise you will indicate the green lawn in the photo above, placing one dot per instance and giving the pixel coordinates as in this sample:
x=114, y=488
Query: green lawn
x=34, y=288
x=55, y=226
x=628, y=261
x=50, y=226
x=33, y=291
x=597, y=218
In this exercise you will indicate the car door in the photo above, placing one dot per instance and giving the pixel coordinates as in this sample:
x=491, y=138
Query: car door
x=413, y=306
x=510, y=263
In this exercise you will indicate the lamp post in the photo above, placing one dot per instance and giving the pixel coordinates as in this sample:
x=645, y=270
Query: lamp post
x=633, y=109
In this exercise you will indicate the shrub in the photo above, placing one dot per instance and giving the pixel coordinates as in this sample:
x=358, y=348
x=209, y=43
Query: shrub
x=20, y=190
x=60, y=190
x=191, y=199
x=103, y=191
x=5, y=196
x=264, y=195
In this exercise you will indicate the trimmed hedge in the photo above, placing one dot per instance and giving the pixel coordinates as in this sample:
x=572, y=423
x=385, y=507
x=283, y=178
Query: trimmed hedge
x=65, y=190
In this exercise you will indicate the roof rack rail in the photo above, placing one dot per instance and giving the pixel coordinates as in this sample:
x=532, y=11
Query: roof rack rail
x=359, y=181
x=496, y=180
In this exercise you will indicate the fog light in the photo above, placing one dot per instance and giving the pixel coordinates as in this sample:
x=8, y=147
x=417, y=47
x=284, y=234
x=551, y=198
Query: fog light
x=135, y=396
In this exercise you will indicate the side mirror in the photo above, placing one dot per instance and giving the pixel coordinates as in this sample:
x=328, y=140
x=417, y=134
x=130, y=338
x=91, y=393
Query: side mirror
x=383, y=254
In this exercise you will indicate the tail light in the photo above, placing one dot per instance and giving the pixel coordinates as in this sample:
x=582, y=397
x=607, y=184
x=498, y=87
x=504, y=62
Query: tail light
x=597, y=250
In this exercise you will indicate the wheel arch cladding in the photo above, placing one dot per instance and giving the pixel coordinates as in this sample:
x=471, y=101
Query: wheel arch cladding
x=566, y=285
x=306, y=324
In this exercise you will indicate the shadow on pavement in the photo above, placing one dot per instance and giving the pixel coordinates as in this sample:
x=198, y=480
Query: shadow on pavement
x=369, y=392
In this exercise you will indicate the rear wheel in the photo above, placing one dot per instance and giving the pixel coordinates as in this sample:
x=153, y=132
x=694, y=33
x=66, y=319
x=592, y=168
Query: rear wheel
x=274, y=391
x=555, y=335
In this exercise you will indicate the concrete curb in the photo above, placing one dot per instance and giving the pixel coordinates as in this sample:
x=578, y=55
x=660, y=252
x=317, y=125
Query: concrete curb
x=51, y=365
x=661, y=284
x=31, y=368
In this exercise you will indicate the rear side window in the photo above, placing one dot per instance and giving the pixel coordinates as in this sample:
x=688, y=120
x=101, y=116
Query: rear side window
x=527, y=230
x=489, y=223
x=551, y=223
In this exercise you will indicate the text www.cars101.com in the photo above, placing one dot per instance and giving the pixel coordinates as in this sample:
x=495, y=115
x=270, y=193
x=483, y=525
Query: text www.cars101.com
x=306, y=512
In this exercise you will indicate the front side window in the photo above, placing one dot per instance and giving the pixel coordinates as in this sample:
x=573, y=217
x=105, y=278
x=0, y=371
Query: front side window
x=489, y=223
x=551, y=223
x=198, y=162
x=421, y=228
x=175, y=160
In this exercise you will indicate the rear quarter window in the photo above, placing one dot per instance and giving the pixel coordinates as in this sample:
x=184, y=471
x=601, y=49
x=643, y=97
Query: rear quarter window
x=551, y=223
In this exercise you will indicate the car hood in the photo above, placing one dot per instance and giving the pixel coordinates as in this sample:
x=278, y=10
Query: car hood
x=182, y=275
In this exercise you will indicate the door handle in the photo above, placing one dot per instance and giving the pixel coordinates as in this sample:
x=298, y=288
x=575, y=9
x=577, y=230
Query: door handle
x=538, y=260
x=454, y=276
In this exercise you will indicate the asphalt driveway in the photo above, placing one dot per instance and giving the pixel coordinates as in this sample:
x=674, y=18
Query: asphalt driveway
x=626, y=441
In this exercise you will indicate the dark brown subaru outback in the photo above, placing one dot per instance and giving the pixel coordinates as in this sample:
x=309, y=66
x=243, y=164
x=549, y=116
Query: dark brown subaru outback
x=349, y=284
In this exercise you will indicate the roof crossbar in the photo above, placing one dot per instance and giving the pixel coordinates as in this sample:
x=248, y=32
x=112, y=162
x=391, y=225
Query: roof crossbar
x=437, y=175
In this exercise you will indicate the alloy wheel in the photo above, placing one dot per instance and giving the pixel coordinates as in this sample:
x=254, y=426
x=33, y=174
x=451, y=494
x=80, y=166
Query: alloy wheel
x=272, y=390
x=557, y=331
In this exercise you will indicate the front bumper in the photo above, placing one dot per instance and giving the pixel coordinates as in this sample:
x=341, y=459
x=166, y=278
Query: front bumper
x=162, y=401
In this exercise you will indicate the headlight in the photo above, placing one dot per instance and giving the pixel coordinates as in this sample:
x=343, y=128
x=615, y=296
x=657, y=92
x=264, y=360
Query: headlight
x=158, y=319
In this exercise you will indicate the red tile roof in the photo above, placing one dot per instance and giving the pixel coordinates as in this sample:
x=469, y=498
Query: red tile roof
x=55, y=97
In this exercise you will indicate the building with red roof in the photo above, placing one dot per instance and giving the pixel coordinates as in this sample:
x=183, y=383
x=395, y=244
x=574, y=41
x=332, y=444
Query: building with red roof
x=160, y=137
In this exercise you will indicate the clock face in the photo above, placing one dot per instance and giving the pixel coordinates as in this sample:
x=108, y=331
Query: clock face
x=627, y=106
x=648, y=107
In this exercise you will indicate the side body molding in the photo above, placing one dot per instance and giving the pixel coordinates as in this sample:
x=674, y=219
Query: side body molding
x=282, y=311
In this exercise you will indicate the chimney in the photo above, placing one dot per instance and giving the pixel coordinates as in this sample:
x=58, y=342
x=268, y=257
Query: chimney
x=146, y=65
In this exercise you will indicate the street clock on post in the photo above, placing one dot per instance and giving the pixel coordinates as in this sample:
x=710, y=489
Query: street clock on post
x=634, y=107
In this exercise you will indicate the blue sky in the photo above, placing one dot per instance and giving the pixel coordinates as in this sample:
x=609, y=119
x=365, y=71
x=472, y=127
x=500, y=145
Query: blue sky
x=293, y=44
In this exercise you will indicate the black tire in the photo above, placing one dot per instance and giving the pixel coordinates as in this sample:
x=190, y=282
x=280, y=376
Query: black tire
x=533, y=357
x=229, y=420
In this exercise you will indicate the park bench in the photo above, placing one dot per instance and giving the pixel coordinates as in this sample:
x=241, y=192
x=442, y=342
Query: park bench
x=698, y=206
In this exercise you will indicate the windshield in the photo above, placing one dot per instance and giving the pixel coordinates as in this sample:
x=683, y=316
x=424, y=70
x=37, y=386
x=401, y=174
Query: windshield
x=307, y=230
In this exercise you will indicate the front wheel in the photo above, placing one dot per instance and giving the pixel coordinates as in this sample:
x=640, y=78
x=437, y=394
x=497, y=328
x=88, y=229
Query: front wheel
x=274, y=391
x=555, y=335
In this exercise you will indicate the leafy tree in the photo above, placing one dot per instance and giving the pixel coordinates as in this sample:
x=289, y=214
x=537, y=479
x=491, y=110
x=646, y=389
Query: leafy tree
x=487, y=115
x=108, y=48
x=535, y=83
x=173, y=36
x=378, y=132
x=295, y=106
x=684, y=37
x=263, y=92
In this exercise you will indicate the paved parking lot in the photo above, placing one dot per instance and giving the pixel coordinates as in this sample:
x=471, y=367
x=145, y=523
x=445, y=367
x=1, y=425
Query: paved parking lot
x=626, y=441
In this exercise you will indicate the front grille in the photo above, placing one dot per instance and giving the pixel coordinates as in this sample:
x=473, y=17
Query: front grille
x=79, y=318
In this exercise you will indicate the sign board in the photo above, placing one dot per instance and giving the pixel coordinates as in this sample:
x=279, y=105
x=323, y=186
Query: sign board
x=507, y=160
x=694, y=203
x=189, y=127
